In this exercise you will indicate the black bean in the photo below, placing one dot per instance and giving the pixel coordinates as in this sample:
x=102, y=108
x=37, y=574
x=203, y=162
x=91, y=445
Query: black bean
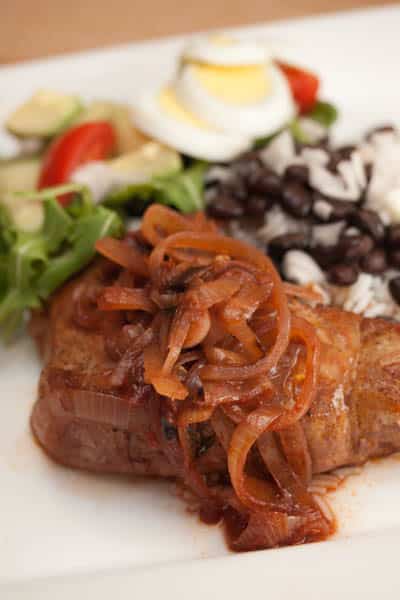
x=394, y=287
x=235, y=188
x=322, y=144
x=343, y=274
x=257, y=205
x=264, y=181
x=374, y=262
x=386, y=318
x=288, y=241
x=339, y=209
x=368, y=171
x=369, y=222
x=393, y=236
x=326, y=256
x=297, y=173
x=224, y=206
x=381, y=129
x=247, y=164
x=250, y=155
x=340, y=154
x=353, y=247
x=394, y=258
x=296, y=199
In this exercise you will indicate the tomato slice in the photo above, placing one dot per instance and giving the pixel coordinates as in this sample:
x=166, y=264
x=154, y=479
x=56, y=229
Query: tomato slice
x=79, y=145
x=304, y=86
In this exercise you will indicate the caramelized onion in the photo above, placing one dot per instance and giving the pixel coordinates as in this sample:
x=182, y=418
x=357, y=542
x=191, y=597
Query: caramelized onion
x=165, y=385
x=122, y=298
x=236, y=249
x=294, y=445
x=198, y=330
x=307, y=378
x=123, y=255
x=303, y=292
x=160, y=222
x=281, y=471
x=263, y=530
x=243, y=438
x=250, y=374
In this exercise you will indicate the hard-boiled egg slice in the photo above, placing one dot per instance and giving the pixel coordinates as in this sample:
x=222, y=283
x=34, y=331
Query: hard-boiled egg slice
x=223, y=50
x=161, y=116
x=251, y=101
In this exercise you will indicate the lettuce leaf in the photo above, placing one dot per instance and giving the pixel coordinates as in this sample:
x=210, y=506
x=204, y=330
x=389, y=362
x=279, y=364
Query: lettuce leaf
x=324, y=113
x=33, y=265
x=182, y=190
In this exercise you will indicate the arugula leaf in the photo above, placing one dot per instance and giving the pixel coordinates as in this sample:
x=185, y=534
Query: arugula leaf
x=34, y=264
x=56, y=222
x=82, y=238
x=182, y=190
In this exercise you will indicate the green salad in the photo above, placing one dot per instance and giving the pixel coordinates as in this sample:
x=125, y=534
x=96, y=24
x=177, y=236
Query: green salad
x=91, y=170
x=35, y=263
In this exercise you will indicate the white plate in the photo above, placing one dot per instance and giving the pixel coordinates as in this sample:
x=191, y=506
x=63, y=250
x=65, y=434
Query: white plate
x=65, y=534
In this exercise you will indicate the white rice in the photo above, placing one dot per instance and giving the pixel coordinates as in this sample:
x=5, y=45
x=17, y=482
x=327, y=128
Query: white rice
x=279, y=153
x=323, y=210
x=329, y=482
x=369, y=296
x=277, y=222
x=324, y=507
x=383, y=152
x=301, y=268
x=327, y=234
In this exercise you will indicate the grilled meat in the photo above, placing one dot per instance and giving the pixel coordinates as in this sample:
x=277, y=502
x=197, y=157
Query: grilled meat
x=82, y=421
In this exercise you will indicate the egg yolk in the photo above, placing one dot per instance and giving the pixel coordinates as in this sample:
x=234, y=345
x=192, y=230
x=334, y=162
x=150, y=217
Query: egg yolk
x=234, y=85
x=169, y=103
x=222, y=40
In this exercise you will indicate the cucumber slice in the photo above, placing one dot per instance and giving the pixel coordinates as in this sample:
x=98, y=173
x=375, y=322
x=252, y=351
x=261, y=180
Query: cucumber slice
x=44, y=115
x=151, y=160
x=19, y=175
x=26, y=214
x=119, y=115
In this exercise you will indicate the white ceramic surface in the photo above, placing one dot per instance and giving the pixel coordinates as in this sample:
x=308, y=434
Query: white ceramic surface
x=65, y=534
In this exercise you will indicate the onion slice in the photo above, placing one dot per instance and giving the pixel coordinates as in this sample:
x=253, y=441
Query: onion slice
x=123, y=255
x=218, y=343
x=122, y=298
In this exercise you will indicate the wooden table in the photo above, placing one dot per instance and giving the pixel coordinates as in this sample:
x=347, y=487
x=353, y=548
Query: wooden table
x=35, y=28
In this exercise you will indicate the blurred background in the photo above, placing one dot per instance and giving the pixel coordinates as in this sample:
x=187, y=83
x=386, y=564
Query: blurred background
x=33, y=29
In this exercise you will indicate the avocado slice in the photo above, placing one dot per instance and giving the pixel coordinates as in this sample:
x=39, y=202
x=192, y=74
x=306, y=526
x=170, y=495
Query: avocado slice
x=44, y=115
x=150, y=160
x=19, y=175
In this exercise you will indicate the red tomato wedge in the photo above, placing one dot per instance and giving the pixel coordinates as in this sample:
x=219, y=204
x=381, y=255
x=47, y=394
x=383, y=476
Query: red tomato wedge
x=304, y=86
x=79, y=145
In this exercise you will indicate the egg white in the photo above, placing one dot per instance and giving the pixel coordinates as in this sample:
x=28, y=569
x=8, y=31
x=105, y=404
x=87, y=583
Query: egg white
x=256, y=119
x=218, y=50
x=207, y=143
